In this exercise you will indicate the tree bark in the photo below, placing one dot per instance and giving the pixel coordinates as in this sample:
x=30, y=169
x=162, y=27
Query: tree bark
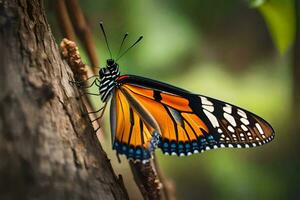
x=47, y=149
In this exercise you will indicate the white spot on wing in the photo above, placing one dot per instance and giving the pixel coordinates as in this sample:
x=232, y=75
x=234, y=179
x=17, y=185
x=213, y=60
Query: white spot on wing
x=209, y=108
x=212, y=118
x=227, y=108
x=242, y=113
x=244, y=127
x=259, y=128
x=230, y=119
x=205, y=101
x=230, y=129
x=245, y=121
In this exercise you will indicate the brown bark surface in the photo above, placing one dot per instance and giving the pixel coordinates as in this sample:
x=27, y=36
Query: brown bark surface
x=47, y=149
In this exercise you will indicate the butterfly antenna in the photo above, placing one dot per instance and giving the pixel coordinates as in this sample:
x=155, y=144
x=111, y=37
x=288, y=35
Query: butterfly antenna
x=105, y=37
x=124, y=38
x=140, y=38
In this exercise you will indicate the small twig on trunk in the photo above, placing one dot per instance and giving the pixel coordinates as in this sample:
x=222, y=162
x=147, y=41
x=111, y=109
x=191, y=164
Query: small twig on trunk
x=71, y=54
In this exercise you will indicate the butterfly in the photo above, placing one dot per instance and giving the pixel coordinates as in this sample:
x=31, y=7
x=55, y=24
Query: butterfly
x=146, y=114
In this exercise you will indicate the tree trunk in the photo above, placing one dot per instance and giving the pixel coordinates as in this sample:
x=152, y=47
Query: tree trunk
x=47, y=149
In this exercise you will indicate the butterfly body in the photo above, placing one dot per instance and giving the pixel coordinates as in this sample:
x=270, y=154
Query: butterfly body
x=146, y=114
x=108, y=76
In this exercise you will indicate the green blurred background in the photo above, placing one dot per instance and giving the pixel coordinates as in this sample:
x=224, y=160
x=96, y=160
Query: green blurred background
x=237, y=51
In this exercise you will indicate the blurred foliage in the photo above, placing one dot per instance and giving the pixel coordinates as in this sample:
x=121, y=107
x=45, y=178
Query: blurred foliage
x=220, y=49
x=280, y=18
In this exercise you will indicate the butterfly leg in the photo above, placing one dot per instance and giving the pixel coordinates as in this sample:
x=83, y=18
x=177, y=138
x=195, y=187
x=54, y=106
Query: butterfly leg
x=81, y=84
x=102, y=112
x=93, y=112
x=96, y=83
x=89, y=93
x=81, y=94
x=97, y=129
x=101, y=115
x=89, y=86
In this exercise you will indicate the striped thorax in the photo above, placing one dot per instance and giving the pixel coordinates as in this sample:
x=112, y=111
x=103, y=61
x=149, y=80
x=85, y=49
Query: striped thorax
x=108, y=76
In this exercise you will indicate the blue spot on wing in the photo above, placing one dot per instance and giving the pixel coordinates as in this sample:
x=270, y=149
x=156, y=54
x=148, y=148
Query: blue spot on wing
x=168, y=147
x=186, y=148
x=138, y=152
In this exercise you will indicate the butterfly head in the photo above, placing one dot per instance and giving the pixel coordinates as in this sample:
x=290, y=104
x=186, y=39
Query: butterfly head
x=111, y=71
x=111, y=64
x=109, y=74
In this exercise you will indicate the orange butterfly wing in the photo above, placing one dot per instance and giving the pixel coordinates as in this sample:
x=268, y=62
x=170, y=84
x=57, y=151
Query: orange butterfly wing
x=131, y=135
x=180, y=123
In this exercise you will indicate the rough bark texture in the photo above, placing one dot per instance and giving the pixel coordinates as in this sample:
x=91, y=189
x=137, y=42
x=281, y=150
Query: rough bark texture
x=47, y=149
